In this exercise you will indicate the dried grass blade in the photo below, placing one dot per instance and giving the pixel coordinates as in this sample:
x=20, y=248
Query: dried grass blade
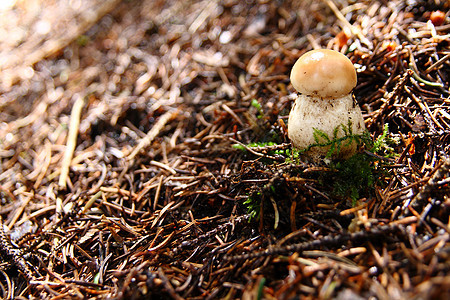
x=71, y=140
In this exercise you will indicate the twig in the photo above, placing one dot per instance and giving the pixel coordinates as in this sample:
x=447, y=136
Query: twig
x=412, y=65
x=326, y=241
x=426, y=190
x=277, y=214
x=388, y=98
x=219, y=229
x=437, y=64
x=14, y=255
x=168, y=285
x=425, y=110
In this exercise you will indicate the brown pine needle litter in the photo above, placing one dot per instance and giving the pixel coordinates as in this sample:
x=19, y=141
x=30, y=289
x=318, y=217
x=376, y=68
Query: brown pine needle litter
x=144, y=152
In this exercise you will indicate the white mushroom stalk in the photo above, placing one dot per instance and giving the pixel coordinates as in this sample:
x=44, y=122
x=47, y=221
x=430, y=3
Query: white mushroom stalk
x=325, y=80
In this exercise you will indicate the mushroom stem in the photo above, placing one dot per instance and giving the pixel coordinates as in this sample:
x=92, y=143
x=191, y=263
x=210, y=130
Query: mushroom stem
x=327, y=116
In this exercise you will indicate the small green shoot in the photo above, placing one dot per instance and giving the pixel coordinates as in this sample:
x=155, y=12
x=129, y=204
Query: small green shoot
x=260, y=291
x=335, y=143
x=258, y=106
x=291, y=155
x=253, y=204
x=239, y=147
x=383, y=144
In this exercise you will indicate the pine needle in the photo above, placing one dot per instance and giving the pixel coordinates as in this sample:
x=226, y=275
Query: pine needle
x=151, y=135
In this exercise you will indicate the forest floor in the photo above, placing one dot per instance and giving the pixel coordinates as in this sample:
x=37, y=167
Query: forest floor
x=144, y=152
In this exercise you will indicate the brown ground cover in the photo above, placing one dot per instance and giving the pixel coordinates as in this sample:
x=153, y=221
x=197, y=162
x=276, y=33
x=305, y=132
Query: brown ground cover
x=144, y=152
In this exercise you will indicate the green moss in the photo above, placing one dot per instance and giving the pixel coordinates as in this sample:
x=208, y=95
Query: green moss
x=383, y=145
x=335, y=142
x=253, y=204
x=258, y=106
x=354, y=177
x=357, y=176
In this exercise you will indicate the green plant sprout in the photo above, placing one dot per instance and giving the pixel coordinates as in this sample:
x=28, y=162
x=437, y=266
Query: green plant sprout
x=253, y=206
x=253, y=145
x=383, y=144
x=335, y=143
x=258, y=106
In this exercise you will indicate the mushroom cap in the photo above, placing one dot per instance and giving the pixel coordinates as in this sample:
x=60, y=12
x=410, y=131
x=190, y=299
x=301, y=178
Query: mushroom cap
x=323, y=73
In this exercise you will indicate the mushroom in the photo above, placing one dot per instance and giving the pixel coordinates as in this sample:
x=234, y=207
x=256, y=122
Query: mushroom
x=325, y=80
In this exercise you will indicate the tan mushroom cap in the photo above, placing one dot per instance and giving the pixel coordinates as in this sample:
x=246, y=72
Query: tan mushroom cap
x=324, y=73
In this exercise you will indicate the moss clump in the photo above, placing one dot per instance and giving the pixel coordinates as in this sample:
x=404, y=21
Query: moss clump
x=253, y=204
x=355, y=176
x=358, y=175
x=352, y=178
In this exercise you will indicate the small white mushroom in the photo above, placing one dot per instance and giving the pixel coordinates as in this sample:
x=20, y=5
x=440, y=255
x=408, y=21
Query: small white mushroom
x=325, y=79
